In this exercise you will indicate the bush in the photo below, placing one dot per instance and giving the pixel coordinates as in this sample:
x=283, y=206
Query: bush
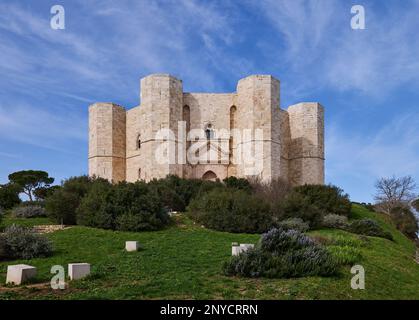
x=335, y=221
x=273, y=192
x=125, y=206
x=61, y=207
x=21, y=243
x=345, y=255
x=238, y=183
x=232, y=211
x=327, y=198
x=62, y=204
x=283, y=254
x=294, y=224
x=369, y=227
x=405, y=221
x=296, y=205
x=9, y=196
x=28, y=211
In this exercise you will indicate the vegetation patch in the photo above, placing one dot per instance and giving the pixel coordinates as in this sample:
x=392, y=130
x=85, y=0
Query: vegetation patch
x=283, y=254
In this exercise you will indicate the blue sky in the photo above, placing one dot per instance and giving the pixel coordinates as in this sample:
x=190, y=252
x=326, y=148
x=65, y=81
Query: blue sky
x=368, y=80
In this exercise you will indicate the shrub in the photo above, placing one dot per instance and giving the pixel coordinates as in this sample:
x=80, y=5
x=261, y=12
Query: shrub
x=3, y=250
x=9, y=196
x=232, y=211
x=125, y=206
x=21, y=243
x=281, y=254
x=238, y=183
x=273, y=192
x=296, y=205
x=369, y=227
x=61, y=207
x=62, y=204
x=405, y=221
x=294, y=224
x=30, y=211
x=335, y=221
x=328, y=198
x=345, y=255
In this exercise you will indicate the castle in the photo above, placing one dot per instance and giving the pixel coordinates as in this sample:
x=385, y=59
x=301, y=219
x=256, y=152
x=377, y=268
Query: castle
x=193, y=133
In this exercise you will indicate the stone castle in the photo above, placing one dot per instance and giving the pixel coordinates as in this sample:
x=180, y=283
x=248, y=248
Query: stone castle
x=123, y=143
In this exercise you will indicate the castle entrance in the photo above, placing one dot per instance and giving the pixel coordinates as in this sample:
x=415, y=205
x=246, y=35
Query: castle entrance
x=209, y=175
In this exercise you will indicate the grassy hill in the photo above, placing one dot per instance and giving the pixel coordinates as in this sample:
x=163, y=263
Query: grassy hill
x=184, y=262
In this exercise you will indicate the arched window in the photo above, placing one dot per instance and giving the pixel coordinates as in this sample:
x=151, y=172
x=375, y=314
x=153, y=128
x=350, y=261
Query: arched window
x=233, y=110
x=139, y=174
x=138, y=142
x=209, y=132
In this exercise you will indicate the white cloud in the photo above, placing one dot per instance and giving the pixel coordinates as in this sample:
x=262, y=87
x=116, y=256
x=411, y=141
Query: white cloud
x=360, y=157
x=38, y=127
x=322, y=50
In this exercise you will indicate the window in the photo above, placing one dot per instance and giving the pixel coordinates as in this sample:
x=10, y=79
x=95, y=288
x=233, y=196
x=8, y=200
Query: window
x=209, y=133
x=138, y=142
x=139, y=174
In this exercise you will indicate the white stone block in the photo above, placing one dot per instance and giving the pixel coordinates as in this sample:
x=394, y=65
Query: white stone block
x=131, y=246
x=246, y=246
x=235, y=250
x=78, y=270
x=18, y=274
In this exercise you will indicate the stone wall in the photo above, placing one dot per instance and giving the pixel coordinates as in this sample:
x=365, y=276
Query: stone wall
x=123, y=144
x=107, y=128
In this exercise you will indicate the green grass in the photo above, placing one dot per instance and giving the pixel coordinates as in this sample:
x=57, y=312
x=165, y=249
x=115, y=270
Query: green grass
x=184, y=262
x=8, y=220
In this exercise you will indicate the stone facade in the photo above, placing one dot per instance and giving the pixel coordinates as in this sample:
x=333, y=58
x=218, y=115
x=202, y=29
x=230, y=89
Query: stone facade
x=177, y=126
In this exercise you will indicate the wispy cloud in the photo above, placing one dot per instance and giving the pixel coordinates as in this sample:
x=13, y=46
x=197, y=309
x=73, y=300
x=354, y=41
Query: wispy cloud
x=42, y=128
x=322, y=50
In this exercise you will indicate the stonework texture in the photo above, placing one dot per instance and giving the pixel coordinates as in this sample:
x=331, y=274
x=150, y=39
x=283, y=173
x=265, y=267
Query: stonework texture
x=123, y=144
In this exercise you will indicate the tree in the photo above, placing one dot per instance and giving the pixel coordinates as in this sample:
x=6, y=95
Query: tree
x=405, y=221
x=30, y=180
x=392, y=192
x=9, y=196
x=44, y=192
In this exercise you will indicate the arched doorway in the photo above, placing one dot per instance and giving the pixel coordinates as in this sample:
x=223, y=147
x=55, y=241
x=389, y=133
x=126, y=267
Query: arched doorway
x=209, y=175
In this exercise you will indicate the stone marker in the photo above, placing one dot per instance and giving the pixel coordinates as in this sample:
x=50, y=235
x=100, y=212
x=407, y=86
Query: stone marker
x=78, y=270
x=131, y=246
x=19, y=273
x=237, y=249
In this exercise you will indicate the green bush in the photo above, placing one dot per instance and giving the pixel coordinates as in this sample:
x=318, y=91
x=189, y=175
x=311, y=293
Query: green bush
x=9, y=196
x=61, y=207
x=296, y=205
x=327, y=198
x=345, y=255
x=405, y=221
x=3, y=249
x=294, y=224
x=21, y=243
x=283, y=254
x=28, y=211
x=125, y=206
x=238, y=183
x=369, y=227
x=335, y=221
x=62, y=204
x=232, y=211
